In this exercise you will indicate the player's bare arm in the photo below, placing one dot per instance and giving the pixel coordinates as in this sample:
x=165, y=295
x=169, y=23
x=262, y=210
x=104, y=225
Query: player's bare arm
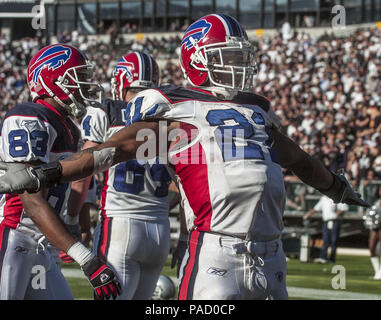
x=122, y=146
x=312, y=172
x=79, y=188
x=46, y=219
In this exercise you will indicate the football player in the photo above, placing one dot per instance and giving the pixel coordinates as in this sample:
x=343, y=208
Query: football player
x=59, y=79
x=223, y=144
x=372, y=221
x=133, y=235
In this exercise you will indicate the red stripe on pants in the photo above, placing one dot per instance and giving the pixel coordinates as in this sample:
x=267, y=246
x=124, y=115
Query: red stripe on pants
x=190, y=265
x=104, y=237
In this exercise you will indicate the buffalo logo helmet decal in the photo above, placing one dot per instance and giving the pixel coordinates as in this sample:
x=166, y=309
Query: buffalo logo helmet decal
x=197, y=31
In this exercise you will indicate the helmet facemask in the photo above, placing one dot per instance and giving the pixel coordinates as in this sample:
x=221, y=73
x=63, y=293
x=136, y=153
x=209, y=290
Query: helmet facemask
x=230, y=65
x=77, y=84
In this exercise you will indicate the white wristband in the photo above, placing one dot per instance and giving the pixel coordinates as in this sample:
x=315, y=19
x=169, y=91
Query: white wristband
x=71, y=220
x=80, y=253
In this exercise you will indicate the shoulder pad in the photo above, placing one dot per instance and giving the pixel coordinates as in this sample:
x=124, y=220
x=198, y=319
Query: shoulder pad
x=27, y=109
x=147, y=104
x=38, y=111
x=177, y=94
x=252, y=98
x=261, y=101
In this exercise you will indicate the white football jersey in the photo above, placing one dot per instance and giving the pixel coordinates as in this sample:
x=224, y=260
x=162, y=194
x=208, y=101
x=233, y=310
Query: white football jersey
x=228, y=174
x=139, y=189
x=35, y=132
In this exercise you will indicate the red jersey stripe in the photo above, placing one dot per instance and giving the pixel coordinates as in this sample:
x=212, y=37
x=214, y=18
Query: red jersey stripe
x=190, y=166
x=12, y=211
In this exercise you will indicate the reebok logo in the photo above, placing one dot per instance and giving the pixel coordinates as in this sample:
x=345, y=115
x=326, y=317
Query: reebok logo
x=279, y=276
x=104, y=277
x=216, y=271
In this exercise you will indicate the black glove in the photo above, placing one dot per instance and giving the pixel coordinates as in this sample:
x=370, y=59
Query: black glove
x=102, y=279
x=178, y=255
x=341, y=191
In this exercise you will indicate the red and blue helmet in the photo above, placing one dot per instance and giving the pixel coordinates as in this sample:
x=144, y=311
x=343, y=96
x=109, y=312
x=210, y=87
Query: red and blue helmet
x=134, y=70
x=215, y=52
x=63, y=72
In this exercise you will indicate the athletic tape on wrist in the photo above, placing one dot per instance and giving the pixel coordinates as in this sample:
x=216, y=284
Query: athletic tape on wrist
x=103, y=159
x=80, y=253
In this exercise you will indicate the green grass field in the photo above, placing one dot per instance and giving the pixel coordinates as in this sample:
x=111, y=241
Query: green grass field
x=81, y=288
x=304, y=280
x=358, y=276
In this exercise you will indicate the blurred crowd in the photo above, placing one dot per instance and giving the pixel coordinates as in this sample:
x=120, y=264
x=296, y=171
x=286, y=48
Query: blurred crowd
x=327, y=93
x=326, y=90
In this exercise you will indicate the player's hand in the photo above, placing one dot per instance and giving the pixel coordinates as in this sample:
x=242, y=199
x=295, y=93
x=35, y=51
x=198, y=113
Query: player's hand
x=18, y=178
x=65, y=257
x=341, y=191
x=102, y=279
x=178, y=255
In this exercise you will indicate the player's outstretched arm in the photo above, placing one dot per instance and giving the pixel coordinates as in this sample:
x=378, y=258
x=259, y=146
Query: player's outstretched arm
x=312, y=172
x=122, y=146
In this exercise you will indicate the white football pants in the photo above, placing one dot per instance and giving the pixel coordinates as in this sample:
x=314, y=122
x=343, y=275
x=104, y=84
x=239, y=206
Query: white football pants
x=136, y=250
x=28, y=271
x=219, y=267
